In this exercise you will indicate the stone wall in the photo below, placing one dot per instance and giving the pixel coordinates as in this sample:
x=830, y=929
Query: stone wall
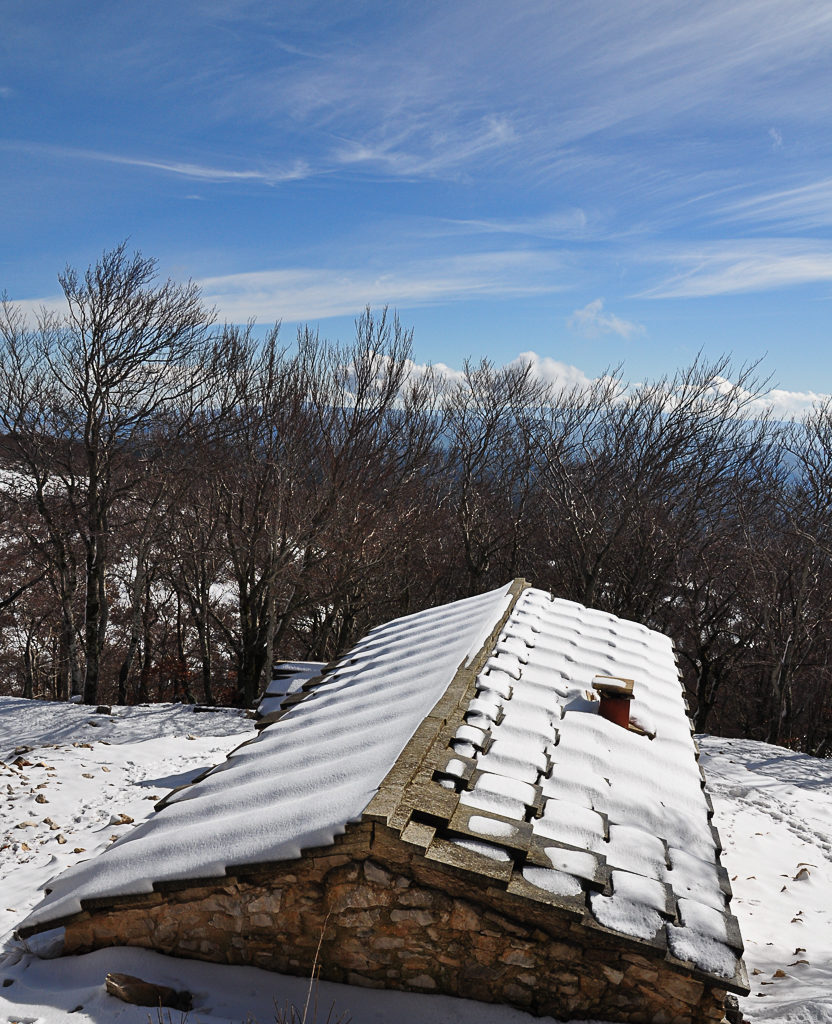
x=386, y=917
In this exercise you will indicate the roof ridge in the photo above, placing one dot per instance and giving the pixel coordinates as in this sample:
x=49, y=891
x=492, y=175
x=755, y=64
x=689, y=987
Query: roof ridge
x=425, y=748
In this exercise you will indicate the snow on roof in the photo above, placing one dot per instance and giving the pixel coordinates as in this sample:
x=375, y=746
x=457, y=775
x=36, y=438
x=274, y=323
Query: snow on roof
x=536, y=789
x=287, y=677
x=307, y=775
x=605, y=804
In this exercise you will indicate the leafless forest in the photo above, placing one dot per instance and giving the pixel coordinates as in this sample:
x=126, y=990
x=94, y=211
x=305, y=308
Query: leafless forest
x=182, y=502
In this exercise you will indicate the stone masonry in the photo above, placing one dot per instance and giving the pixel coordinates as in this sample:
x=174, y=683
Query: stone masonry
x=382, y=915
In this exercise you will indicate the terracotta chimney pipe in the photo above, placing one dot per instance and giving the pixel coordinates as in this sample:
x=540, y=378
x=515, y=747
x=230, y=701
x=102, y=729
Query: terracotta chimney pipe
x=616, y=694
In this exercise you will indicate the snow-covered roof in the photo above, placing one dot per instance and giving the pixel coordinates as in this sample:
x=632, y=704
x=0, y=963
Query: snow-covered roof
x=306, y=776
x=601, y=812
x=516, y=775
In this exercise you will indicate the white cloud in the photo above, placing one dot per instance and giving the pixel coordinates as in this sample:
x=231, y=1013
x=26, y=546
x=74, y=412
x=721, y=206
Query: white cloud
x=806, y=206
x=552, y=371
x=781, y=403
x=410, y=154
x=571, y=223
x=724, y=268
x=785, y=404
x=560, y=376
x=315, y=293
x=404, y=96
x=34, y=308
x=6, y=92
x=308, y=293
x=268, y=175
x=776, y=138
x=592, y=322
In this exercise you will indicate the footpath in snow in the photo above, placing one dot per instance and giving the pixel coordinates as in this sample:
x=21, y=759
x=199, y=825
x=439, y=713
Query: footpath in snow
x=85, y=778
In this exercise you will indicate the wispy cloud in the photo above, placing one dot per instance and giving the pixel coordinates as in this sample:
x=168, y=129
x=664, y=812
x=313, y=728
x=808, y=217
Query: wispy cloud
x=804, y=207
x=592, y=322
x=539, y=80
x=573, y=223
x=308, y=293
x=6, y=92
x=267, y=176
x=724, y=268
x=199, y=172
x=411, y=154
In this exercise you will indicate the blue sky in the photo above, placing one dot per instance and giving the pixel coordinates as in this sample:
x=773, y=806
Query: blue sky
x=595, y=182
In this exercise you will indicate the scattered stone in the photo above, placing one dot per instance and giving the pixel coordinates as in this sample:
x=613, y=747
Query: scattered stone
x=145, y=993
x=41, y=799
x=87, y=775
x=120, y=819
x=61, y=839
x=27, y=824
x=79, y=849
x=103, y=709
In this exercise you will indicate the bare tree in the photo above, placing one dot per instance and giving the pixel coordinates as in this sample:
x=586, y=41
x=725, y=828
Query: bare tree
x=194, y=555
x=632, y=476
x=127, y=351
x=489, y=471
x=793, y=574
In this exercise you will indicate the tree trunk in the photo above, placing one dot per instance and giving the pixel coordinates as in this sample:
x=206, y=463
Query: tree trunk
x=28, y=680
x=203, y=630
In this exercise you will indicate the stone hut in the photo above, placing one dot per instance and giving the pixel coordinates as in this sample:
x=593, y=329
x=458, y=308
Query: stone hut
x=498, y=799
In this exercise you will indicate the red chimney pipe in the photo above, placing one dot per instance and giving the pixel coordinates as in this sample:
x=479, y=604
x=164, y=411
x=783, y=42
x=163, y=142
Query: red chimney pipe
x=616, y=694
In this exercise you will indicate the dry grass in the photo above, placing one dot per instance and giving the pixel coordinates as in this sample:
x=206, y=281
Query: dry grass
x=290, y=1014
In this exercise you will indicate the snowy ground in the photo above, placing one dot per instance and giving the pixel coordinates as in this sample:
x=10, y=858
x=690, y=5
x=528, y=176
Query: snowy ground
x=86, y=777
x=773, y=809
